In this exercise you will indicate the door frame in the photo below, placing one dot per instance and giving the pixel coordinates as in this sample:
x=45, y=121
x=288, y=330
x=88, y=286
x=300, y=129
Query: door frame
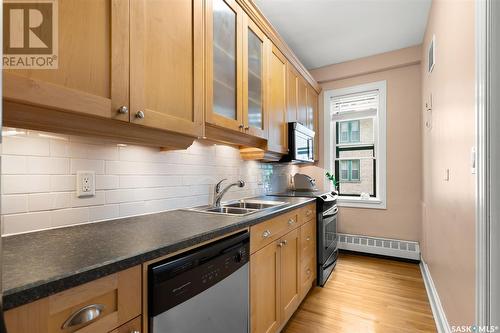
x=488, y=164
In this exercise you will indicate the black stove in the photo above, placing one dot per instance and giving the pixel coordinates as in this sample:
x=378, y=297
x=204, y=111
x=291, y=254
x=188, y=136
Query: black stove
x=327, y=247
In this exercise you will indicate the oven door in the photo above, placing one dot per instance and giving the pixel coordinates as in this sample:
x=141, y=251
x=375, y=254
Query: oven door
x=329, y=238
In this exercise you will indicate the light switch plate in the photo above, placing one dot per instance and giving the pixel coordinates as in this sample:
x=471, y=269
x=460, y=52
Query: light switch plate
x=85, y=184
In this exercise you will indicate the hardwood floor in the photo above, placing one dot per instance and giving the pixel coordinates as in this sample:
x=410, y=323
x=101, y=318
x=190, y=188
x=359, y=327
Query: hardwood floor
x=365, y=295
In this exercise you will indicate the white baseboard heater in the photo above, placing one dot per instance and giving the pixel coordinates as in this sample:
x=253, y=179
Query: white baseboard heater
x=382, y=246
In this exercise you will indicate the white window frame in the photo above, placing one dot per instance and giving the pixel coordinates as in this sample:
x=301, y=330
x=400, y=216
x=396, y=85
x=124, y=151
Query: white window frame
x=380, y=139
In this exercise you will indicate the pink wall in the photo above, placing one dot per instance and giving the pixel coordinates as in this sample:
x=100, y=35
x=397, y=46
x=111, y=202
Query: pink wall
x=449, y=206
x=402, y=218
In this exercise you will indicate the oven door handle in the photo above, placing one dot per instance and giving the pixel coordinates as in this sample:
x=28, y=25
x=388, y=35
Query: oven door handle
x=328, y=214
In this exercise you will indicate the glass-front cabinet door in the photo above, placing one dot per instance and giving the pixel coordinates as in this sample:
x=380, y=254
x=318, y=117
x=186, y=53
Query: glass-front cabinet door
x=255, y=67
x=224, y=65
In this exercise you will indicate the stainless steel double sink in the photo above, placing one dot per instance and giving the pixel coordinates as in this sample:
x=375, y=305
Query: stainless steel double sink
x=239, y=207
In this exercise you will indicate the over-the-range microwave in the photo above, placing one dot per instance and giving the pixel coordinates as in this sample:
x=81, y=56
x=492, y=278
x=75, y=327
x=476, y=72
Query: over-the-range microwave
x=300, y=144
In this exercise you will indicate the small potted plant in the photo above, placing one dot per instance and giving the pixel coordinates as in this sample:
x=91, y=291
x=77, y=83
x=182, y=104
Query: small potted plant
x=331, y=177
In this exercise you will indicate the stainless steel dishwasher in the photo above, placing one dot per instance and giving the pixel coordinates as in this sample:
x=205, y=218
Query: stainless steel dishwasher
x=203, y=290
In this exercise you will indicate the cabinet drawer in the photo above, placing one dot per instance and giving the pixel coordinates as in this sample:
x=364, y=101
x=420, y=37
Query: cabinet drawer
x=112, y=300
x=271, y=230
x=307, y=276
x=307, y=213
x=133, y=326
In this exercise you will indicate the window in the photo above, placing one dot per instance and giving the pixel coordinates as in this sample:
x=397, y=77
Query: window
x=356, y=148
x=349, y=171
x=349, y=131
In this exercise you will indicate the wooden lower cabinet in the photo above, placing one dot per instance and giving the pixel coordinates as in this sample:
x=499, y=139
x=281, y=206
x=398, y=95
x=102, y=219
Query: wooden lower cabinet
x=265, y=289
x=290, y=261
x=281, y=271
x=118, y=295
x=133, y=326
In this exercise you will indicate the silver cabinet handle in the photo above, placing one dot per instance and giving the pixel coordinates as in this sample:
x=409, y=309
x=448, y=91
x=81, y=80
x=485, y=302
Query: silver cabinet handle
x=291, y=221
x=266, y=234
x=134, y=331
x=84, y=315
x=140, y=114
x=308, y=238
x=280, y=244
x=123, y=110
x=285, y=242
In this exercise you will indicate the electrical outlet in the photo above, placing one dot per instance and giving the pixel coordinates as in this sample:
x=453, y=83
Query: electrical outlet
x=85, y=184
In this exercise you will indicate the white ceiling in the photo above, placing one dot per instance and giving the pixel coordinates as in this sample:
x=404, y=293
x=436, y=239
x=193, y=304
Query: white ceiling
x=324, y=32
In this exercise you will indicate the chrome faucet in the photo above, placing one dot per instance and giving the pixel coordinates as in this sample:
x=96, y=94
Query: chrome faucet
x=218, y=193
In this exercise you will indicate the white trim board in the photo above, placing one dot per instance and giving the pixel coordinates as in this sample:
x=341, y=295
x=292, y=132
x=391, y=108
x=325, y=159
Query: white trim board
x=436, y=307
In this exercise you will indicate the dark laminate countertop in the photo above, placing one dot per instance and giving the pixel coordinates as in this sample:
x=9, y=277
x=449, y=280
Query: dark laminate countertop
x=39, y=264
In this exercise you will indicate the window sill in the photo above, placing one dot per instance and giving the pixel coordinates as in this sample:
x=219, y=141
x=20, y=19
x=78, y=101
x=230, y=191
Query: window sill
x=357, y=202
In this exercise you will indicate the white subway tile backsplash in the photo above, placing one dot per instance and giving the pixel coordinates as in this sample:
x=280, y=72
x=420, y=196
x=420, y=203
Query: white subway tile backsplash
x=39, y=183
x=25, y=145
x=17, y=223
x=64, y=217
x=107, y=182
x=49, y=201
x=13, y=165
x=87, y=165
x=100, y=213
x=63, y=183
x=47, y=165
x=12, y=204
x=98, y=199
x=15, y=184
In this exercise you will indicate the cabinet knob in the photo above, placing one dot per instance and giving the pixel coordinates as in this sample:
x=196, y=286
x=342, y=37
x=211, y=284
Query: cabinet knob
x=291, y=221
x=247, y=128
x=266, y=234
x=241, y=126
x=285, y=242
x=123, y=109
x=140, y=115
x=308, y=272
x=280, y=244
x=308, y=238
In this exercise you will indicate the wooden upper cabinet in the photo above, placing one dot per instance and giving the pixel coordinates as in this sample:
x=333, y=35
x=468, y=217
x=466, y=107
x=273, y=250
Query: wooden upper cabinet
x=277, y=136
x=166, y=64
x=255, y=79
x=224, y=65
x=92, y=76
x=292, y=92
x=302, y=111
x=312, y=102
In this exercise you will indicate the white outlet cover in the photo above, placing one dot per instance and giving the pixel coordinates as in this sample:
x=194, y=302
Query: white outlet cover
x=85, y=184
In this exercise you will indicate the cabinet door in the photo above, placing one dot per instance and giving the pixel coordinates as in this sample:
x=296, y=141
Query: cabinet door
x=290, y=277
x=224, y=64
x=93, y=63
x=292, y=91
x=265, y=280
x=166, y=53
x=312, y=100
x=307, y=256
x=277, y=135
x=302, y=101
